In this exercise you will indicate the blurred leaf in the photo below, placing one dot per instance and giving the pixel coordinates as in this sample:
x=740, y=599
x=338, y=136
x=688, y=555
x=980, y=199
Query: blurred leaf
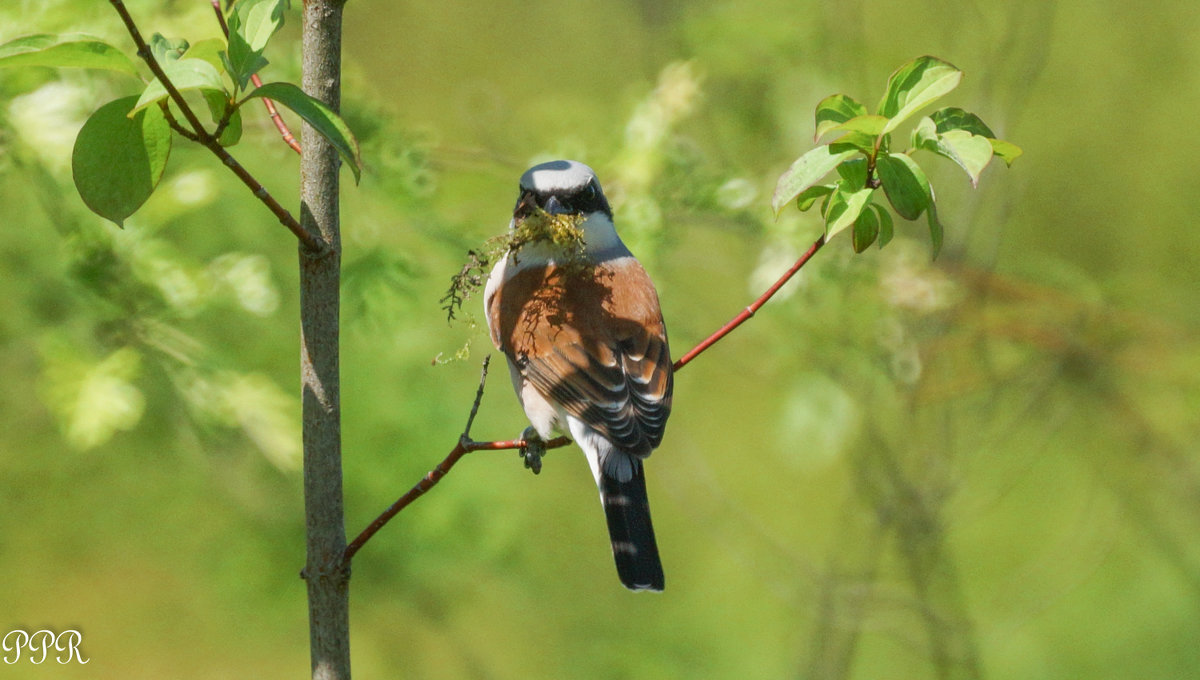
x=845, y=205
x=91, y=399
x=218, y=105
x=805, y=172
x=836, y=109
x=866, y=230
x=954, y=118
x=251, y=26
x=71, y=50
x=184, y=74
x=885, y=224
x=860, y=141
x=914, y=86
x=323, y=119
x=118, y=159
x=905, y=184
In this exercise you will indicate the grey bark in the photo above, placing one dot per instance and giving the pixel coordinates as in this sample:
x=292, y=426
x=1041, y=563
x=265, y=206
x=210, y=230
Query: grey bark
x=327, y=578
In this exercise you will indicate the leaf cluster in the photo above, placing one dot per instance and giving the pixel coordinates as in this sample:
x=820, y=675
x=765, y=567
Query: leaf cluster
x=861, y=151
x=121, y=152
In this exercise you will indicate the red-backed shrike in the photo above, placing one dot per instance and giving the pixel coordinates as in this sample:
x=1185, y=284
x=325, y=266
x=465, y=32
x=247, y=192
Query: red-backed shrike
x=587, y=352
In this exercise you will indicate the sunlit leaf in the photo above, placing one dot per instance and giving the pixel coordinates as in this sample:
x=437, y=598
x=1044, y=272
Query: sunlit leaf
x=65, y=51
x=905, y=184
x=805, y=172
x=971, y=152
x=1005, y=151
x=845, y=205
x=836, y=109
x=319, y=116
x=251, y=26
x=869, y=125
x=184, y=74
x=208, y=50
x=954, y=118
x=915, y=85
x=119, y=159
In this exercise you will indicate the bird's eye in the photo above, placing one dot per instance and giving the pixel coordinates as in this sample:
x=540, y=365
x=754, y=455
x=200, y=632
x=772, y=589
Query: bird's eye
x=589, y=193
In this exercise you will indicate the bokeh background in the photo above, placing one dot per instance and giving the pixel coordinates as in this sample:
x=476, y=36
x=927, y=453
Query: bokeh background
x=979, y=467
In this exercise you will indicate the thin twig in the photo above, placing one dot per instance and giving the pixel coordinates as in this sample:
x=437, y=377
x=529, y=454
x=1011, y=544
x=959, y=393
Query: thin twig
x=754, y=307
x=312, y=243
x=465, y=445
x=273, y=112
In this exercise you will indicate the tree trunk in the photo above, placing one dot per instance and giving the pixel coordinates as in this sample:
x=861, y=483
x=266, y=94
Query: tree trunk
x=328, y=581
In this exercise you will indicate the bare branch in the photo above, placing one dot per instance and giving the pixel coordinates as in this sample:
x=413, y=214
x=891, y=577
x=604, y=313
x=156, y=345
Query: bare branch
x=754, y=307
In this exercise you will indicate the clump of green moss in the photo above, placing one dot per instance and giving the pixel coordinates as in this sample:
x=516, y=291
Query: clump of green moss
x=564, y=231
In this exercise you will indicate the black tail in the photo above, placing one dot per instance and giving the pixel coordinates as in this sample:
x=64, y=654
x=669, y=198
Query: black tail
x=627, y=509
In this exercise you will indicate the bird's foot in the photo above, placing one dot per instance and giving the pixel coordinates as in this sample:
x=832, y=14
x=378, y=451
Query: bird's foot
x=533, y=450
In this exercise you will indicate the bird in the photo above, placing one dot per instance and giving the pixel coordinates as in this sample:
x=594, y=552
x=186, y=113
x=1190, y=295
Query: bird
x=587, y=352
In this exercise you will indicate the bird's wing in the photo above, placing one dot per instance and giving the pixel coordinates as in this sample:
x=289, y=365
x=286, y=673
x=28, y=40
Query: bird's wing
x=595, y=344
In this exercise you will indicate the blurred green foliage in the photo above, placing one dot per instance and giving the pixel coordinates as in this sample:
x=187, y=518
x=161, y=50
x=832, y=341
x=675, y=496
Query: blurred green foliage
x=979, y=467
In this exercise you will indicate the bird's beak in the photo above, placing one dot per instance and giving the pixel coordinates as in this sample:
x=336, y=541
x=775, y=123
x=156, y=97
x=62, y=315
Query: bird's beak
x=554, y=207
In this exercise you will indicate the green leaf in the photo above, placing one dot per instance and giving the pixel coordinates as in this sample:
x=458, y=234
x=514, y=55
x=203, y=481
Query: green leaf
x=885, y=224
x=208, y=50
x=218, y=105
x=854, y=172
x=810, y=195
x=165, y=49
x=251, y=26
x=869, y=125
x=185, y=74
x=914, y=86
x=65, y=51
x=845, y=205
x=834, y=110
x=954, y=118
x=1005, y=151
x=935, y=230
x=905, y=184
x=866, y=230
x=119, y=158
x=329, y=124
x=806, y=171
x=971, y=152
x=857, y=140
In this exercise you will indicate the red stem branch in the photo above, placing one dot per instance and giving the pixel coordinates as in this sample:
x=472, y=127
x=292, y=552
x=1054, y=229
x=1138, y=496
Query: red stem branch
x=750, y=310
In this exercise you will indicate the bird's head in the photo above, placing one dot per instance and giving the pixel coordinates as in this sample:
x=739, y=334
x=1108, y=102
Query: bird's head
x=561, y=188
